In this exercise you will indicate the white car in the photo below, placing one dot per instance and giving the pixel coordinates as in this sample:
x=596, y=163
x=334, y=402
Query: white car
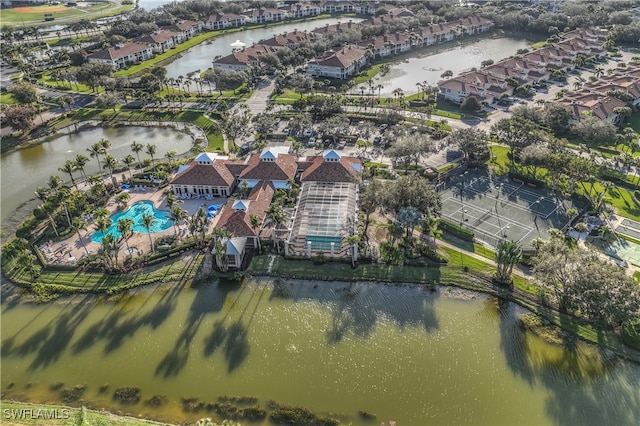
x=307, y=133
x=311, y=142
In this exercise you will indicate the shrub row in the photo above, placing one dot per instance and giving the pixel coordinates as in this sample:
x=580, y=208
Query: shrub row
x=527, y=179
x=631, y=333
x=456, y=230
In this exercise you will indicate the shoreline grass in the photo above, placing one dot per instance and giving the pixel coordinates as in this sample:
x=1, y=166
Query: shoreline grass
x=65, y=415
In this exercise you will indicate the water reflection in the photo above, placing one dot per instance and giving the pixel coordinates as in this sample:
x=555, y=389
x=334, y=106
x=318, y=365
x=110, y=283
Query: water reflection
x=400, y=352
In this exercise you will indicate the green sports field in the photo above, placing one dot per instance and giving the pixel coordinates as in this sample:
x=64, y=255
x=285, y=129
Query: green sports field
x=32, y=15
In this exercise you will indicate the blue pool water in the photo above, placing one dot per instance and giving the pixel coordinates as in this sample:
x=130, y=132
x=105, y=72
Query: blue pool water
x=135, y=212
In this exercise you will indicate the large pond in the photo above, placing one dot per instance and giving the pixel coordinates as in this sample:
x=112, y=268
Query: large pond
x=201, y=57
x=26, y=169
x=399, y=352
x=404, y=75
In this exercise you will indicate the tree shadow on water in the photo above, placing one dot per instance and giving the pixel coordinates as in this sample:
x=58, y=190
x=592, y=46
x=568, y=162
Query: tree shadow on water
x=63, y=331
x=236, y=346
x=360, y=306
x=208, y=299
x=584, y=386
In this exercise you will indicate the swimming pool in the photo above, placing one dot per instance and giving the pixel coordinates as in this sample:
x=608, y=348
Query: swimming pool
x=135, y=212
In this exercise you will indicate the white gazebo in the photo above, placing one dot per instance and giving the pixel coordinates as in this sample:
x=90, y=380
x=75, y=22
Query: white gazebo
x=238, y=45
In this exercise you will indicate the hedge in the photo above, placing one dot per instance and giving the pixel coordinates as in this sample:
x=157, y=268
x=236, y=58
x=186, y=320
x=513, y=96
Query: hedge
x=631, y=333
x=456, y=230
x=527, y=179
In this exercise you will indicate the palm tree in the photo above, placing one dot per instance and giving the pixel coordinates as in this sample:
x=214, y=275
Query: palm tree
x=128, y=161
x=110, y=163
x=178, y=214
x=55, y=183
x=79, y=224
x=122, y=199
x=508, y=253
x=256, y=222
x=96, y=151
x=221, y=235
x=147, y=221
x=125, y=228
x=136, y=148
x=105, y=144
x=69, y=168
x=151, y=151
x=79, y=162
x=102, y=224
x=353, y=240
x=171, y=155
x=275, y=214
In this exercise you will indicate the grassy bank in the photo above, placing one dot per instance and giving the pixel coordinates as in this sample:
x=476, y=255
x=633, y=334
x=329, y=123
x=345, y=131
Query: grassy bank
x=17, y=413
x=53, y=282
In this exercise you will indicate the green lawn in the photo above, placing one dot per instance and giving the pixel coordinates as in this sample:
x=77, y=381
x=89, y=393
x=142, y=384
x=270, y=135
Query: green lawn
x=619, y=198
x=7, y=99
x=35, y=14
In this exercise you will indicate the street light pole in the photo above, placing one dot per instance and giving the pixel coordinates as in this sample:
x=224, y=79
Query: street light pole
x=540, y=200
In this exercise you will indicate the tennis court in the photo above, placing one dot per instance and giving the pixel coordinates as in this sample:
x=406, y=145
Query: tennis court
x=495, y=208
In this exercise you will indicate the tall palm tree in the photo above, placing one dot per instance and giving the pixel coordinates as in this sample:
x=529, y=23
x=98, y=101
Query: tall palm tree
x=102, y=224
x=147, y=221
x=178, y=214
x=128, y=161
x=79, y=224
x=256, y=222
x=275, y=214
x=136, y=148
x=55, y=183
x=508, y=254
x=151, y=151
x=79, y=162
x=221, y=236
x=96, y=151
x=110, y=163
x=69, y=168
x=125, y=228
x=105, y=144
x=353, y=240
x=48, y=209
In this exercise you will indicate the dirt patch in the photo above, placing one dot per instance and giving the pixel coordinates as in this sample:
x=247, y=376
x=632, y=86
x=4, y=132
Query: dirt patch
x=41, y=9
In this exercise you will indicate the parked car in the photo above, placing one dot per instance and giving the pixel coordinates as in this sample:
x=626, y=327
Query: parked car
x=307, y=133
x=383, y=127
x=311, y=142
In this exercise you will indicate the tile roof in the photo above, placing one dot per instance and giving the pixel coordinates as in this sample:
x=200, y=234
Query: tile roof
x=247, y=56
x=238, y=222
x=184, y=25
x=316, y=169
x=343, y=58
x=225, y=17
x=216, y=174
x=282, y=169
x=118, y=52
x=158, y=36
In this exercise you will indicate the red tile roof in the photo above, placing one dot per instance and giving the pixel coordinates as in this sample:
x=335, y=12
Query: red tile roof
x=216, y=174
x=316, y=169
x=238, y=222
x=283, y=168
x=343, y=58
x=115, y=53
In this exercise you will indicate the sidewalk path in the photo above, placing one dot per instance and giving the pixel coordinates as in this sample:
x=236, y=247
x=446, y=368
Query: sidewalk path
x=519, y=270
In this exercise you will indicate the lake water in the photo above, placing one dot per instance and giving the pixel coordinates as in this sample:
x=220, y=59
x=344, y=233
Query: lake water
x=405, y=75
x=24, y=170
x=201, y=57
x=399, y=352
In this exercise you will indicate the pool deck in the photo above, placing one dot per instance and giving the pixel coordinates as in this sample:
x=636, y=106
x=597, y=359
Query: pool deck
x=70, y=250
